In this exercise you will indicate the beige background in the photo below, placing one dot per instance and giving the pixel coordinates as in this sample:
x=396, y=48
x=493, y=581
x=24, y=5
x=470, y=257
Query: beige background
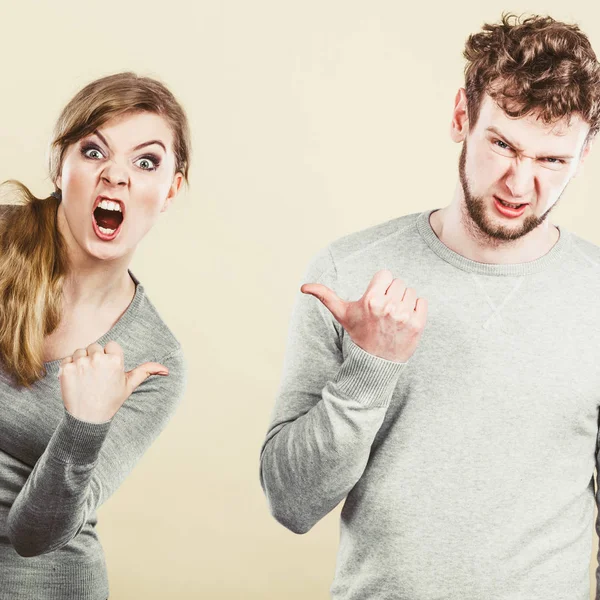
x=310, y=120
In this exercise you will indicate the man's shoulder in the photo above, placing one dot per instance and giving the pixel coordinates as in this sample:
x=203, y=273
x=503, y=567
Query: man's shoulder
x=375, y=238
x=586, y=251
x=373, y=248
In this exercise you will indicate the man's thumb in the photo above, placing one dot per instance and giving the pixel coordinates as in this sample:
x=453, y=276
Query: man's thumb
x=335, y=305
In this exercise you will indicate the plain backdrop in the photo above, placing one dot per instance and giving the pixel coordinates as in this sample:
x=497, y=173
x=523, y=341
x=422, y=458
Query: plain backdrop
x=310, y=120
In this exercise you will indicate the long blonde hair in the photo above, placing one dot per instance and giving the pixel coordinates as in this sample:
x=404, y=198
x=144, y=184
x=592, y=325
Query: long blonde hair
x=33, y=259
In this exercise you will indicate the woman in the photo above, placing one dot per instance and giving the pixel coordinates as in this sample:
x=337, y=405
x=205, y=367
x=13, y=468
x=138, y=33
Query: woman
x=89, y=373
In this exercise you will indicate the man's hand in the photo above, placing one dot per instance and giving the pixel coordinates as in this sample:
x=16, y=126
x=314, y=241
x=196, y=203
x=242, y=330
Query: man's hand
x=94, y=384
x=386, y=321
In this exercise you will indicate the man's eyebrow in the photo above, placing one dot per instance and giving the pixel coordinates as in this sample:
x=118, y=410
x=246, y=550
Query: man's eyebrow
x=492, y=129
x=150, y=143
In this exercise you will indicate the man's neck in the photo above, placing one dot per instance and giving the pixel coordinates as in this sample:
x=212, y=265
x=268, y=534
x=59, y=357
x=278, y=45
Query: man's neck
x=449, y=225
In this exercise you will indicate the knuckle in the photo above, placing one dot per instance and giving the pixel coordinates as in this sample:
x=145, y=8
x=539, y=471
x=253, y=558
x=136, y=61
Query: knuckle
x=402, y=318
x=68, y=368
x=389, y=310
x=373, y=303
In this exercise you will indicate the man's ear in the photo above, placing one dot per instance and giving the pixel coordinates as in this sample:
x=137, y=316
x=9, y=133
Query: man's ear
x=460, y=120
x=173, y=191
x=584, y=153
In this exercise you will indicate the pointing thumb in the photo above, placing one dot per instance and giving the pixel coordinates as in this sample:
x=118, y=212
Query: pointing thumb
x=137, y=376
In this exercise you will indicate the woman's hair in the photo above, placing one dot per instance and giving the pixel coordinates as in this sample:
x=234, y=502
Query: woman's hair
x=534, y=66
x=33, y=259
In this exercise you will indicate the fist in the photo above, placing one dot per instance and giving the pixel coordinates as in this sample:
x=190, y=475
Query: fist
x=386, y=321
x=94, y=384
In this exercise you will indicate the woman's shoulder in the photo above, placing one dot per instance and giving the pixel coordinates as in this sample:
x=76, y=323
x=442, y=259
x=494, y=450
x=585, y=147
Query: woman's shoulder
x=146, y=335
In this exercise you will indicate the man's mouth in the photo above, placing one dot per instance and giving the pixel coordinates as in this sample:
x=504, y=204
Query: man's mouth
x=509, y=204
x=108, y=216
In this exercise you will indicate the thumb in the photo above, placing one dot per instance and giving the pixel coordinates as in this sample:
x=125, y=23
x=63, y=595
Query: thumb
x=137, y=376
x=335, y=305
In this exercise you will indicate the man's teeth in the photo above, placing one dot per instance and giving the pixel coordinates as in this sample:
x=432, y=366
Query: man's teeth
x=509, y=205
x=110, y=205
x=105, y=230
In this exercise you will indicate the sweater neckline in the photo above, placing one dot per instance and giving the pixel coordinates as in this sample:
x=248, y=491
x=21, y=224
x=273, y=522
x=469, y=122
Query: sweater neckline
x=466, y=264
x=117, y=329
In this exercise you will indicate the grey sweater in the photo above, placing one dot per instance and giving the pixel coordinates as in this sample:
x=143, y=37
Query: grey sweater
x=466, y=471
x=55, y=470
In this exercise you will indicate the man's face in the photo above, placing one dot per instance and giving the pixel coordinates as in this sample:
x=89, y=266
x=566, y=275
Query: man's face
x=523, y=162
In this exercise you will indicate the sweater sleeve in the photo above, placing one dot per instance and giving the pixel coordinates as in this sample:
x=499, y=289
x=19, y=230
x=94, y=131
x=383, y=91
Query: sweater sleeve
x=329, y=407
x=597, y=494
x=84, y=463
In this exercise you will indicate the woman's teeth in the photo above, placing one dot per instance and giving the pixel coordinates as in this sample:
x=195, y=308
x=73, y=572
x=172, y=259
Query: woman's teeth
x=110, y=205
x=105, y=230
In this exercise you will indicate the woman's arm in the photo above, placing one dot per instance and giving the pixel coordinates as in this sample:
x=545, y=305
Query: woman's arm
x=84, y=463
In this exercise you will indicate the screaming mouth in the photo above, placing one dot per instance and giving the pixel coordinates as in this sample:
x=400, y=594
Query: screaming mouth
x=108, y=216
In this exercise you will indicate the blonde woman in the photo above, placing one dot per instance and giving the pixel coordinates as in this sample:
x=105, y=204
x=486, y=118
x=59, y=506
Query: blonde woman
x=89, y=373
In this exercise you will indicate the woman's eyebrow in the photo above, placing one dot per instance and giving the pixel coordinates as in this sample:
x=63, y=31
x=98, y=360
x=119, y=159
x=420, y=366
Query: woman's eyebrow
x=150, y=143
x=102, y=138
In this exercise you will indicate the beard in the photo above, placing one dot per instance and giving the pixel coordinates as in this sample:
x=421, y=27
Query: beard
x=475, y=214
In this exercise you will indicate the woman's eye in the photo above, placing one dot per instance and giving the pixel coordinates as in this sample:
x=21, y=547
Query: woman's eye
x=501, y=144
x=147, y=164
x=93, y=153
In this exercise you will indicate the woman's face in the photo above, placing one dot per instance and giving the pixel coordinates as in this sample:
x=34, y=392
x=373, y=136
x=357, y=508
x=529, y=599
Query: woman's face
x=115, y=182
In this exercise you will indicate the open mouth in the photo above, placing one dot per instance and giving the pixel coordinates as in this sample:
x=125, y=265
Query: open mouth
x=508, y=204
x=108, y=217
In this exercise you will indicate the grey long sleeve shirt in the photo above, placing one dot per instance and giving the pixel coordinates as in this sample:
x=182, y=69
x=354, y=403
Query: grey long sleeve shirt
x=56, y=470
x=466, y=472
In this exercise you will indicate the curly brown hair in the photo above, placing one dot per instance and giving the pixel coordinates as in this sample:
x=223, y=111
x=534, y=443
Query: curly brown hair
x=535, y=66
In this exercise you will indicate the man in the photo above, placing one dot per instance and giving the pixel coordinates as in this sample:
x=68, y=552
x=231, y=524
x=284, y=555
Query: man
x=461, y=429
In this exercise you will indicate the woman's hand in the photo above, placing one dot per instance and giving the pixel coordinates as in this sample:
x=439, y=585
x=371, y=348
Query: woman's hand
x=94, y=383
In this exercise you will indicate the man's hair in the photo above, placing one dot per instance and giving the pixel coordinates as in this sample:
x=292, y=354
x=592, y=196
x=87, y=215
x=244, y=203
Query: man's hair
x=533, y=66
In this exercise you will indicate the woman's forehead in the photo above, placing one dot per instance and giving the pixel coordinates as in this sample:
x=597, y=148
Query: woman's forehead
x=132, y=129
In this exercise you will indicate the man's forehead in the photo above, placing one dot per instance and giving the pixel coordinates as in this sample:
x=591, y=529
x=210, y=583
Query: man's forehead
x=571, y=130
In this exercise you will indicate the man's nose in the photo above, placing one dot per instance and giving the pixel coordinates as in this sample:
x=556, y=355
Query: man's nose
x=520, y=179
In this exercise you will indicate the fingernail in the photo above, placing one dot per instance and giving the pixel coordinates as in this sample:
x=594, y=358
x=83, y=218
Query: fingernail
x=163, y=372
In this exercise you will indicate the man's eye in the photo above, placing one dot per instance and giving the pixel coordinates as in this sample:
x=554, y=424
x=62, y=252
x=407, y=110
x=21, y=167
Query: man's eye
x=502, y=144
x=554, y=161
x=147, y=163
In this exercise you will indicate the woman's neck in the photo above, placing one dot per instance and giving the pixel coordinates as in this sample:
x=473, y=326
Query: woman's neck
x=91, y=281
x=97, y=288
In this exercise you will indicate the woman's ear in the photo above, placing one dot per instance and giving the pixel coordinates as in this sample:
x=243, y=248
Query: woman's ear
x=173, y=191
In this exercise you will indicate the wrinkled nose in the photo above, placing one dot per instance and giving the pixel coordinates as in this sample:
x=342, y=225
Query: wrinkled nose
x=115, y=175
x=520, y=179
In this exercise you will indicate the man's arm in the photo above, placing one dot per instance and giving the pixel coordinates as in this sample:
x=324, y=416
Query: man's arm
x=328, y=411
